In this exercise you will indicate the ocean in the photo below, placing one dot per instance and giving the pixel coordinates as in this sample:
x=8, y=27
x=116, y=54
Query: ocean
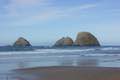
x=105, y=56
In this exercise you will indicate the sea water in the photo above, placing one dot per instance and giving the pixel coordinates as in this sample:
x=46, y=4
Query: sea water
x=106, y=56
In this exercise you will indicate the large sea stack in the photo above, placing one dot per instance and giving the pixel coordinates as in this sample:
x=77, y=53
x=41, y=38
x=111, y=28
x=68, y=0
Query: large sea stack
x=65, y=41
x=86, y=39
x=22, y=42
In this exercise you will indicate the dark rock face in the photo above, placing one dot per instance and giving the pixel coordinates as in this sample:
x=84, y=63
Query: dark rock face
x=65, y=41
x=21, y=42
x=86, y=39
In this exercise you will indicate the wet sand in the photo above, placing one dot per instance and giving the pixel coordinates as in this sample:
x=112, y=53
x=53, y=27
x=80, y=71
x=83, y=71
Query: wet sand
x=71, y=73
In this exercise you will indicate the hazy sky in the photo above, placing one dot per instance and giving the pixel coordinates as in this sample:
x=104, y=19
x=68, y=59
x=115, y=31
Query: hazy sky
x=42, y=22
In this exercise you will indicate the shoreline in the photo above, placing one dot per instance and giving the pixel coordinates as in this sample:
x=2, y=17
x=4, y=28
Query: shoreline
x=72, y=73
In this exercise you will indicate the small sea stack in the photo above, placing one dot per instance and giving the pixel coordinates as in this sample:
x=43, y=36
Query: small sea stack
x=86, y=39
x=65, y=41
x=22, y=42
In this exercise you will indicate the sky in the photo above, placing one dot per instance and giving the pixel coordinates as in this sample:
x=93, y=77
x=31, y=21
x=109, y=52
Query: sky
x=42, y=22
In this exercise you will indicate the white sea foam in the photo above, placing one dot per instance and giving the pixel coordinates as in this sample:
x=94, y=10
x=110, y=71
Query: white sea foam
x=110, y=48
x=43, y=51
x=63, y=52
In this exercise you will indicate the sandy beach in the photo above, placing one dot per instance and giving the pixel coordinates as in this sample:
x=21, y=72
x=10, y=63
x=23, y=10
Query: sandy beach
x=70, y=73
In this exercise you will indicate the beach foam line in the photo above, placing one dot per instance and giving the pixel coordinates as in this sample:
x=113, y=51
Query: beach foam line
x=43, y=51
x=110, y=48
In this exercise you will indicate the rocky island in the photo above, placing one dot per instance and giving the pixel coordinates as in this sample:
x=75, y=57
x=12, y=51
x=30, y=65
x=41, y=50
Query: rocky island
x=65, y=41
x=83, y=39
x=22, y=42
x=86, y=39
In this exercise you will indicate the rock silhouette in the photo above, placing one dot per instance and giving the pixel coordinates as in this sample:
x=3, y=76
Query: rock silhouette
x=86, y=39
x=22, y=42
x=65, y=41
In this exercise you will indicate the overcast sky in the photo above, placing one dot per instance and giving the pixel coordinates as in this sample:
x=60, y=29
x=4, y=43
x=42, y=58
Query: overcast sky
x=42, y=22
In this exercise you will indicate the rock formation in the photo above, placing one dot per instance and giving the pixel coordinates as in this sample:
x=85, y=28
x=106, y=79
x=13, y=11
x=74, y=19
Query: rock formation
x=86, y=39
x=21, y=42
x=65, y=41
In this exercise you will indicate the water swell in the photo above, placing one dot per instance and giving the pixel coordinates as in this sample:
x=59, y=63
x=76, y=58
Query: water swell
x=103, y=51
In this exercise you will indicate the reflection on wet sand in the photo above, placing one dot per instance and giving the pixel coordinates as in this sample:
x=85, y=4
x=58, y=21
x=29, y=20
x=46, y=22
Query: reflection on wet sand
x=22, y=64
x=80, y=62
x=42, y=74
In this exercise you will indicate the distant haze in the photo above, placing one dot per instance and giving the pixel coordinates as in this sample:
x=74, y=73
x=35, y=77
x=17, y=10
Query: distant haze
x=42, y=22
